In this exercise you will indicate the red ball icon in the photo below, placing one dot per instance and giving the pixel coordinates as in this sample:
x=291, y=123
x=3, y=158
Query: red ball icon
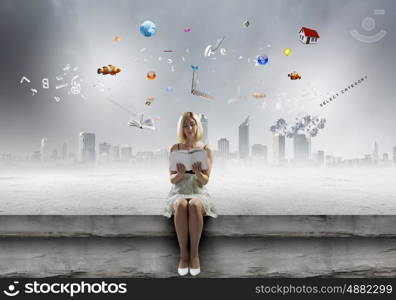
x=151, y=75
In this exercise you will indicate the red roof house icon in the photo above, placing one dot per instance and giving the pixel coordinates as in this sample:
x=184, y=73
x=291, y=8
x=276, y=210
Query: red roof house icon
x=308, y=36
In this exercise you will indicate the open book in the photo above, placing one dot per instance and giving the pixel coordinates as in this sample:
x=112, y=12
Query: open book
x=188, y=158
x=142, y=122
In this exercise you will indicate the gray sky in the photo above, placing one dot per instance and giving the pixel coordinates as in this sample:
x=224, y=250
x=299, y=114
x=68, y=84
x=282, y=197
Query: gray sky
x=40, y=37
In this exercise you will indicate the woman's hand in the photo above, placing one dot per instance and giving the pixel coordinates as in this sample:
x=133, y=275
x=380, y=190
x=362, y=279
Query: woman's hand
x=181, y=169
x=197, y=167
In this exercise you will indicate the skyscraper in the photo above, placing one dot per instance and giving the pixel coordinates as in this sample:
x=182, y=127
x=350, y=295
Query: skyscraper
x=302, y=148
x=278, y=145
x=87, y=147
x=223, y=145
x=204, y=121
x=374, y=151
x=244, y=139
x=44, y=149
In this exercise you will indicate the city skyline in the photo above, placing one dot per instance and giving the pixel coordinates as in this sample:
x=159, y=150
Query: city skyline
x=91, y=151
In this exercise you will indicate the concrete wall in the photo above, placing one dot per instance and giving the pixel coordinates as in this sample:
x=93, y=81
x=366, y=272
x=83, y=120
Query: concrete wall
x=231, y=246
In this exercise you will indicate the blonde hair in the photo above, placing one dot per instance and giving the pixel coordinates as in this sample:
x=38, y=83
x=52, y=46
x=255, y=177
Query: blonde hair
x=180, y=127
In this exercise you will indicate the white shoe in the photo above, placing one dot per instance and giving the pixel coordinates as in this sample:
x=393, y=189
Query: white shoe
x=195, y=272
x=182, y=271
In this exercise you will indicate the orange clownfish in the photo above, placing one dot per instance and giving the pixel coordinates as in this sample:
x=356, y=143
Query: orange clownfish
x=110, y=69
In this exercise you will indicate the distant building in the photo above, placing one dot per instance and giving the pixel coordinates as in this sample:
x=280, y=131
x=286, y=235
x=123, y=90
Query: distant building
x=374, y=151
x=126, y=153
x=260, y=151
x=64, y=151
x=367, y=160
x=36, y=156
x=7, y=157
x=72, y=156
x=233, y=155
x=161, y=155
x=204, y=121
x=278, y=146
x=54, y=154
x=116, y=153
x=385, y=157
x=87, y=147
x=223, y=146
x=330, y=160
x=145, y=156
x=104, y=148
x=394, y=154
x=44, y=149
x=244, y=139
x=302, y=148
x=319, y=158
x=104, y=152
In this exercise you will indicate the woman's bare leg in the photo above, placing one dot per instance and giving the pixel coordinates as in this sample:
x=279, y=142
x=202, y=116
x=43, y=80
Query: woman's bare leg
x=195, y=225
x=181, y=226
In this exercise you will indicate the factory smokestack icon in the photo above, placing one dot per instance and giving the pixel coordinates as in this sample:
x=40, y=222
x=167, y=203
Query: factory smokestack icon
x=304, y=124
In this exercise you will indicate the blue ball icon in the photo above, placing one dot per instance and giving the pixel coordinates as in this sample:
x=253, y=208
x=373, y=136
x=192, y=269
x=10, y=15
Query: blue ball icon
x=262, y=60
x=148, y=28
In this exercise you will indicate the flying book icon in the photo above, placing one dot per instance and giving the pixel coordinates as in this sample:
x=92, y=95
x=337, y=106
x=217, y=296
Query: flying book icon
x=196, y=92
x=142, y=122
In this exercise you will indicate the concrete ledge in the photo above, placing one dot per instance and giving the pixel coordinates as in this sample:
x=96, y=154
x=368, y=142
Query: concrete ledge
x=231, y=246
x=224, y=226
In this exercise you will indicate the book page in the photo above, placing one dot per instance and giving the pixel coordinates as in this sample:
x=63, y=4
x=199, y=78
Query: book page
x=181, y=156
x=201, y=156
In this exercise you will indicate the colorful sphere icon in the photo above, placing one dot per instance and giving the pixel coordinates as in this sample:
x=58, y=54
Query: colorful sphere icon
x=151, y=75
x=117, y=39
x=187, y=29
x=194, y=67
x=148, y=28
x=262, y=59
x=287, y=51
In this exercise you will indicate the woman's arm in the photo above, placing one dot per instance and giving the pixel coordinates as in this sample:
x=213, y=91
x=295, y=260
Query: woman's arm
x=203, y=175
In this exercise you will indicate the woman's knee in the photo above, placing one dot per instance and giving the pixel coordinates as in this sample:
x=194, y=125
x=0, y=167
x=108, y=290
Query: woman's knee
x=195, y=205
x=180, y=205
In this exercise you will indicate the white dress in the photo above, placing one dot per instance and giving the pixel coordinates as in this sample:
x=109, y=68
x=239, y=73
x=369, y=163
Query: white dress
x=189, y=187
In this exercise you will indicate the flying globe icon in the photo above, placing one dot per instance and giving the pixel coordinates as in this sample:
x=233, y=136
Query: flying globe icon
x=262, y=59
x=148, y=28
